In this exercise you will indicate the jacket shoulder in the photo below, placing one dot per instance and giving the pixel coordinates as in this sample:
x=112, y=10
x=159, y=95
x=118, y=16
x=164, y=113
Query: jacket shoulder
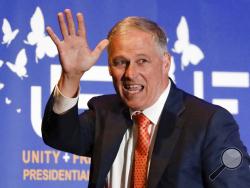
x=105, y=102
x=201, y=106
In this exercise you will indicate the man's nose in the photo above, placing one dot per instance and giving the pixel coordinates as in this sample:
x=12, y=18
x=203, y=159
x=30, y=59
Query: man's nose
x=131, y=71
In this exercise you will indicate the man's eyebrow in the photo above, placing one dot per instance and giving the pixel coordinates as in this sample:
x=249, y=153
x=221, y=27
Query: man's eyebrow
x=121, y=57
x=142, y=55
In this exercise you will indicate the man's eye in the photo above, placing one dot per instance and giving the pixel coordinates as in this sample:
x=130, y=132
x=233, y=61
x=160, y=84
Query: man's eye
x=119, y=63
x=142, y=61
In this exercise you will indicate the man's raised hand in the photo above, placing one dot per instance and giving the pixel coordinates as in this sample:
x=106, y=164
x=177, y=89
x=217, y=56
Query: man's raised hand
x=75, y=55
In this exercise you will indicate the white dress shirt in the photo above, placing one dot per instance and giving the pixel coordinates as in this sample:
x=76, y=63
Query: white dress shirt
x=121, y=170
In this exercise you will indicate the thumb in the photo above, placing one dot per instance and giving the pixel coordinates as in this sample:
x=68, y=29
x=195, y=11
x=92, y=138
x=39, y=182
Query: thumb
x=99, y=48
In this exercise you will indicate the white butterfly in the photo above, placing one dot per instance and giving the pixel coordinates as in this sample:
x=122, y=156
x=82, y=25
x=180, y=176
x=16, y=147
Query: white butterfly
x=8, y=34
x=190, y=52
x=18, y=110
x=1, y=63
x=7, y=100
x=19, y=66
x=44, y=44
x=1, y=85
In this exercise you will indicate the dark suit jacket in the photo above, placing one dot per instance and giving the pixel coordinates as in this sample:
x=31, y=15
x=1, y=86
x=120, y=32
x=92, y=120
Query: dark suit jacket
x=191, y=138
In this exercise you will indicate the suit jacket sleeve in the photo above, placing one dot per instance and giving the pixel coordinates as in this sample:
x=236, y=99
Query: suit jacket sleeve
x=68, y=131
x=222, y=133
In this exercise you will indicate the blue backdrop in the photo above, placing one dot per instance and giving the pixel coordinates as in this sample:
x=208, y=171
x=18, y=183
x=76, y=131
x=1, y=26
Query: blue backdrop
x=210, y=45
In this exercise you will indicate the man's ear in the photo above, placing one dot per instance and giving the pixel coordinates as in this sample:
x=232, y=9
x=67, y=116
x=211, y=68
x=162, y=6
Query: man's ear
x=166, y=61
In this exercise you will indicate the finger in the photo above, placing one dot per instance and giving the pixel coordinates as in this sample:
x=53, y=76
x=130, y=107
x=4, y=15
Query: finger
x=70, y=21
x=62, y=25
x=53, y=36
x=99, y=48
x=81, y=25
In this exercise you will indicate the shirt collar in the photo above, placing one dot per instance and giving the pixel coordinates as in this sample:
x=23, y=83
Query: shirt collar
x=153, y=112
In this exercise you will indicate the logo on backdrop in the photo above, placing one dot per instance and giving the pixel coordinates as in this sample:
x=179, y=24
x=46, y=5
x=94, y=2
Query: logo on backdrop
x=190, y=55
x=44, y=45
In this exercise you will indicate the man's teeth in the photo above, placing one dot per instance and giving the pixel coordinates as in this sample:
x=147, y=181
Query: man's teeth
x=133, y=88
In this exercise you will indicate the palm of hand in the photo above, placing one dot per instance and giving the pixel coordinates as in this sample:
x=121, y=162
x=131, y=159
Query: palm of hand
x=74, y=53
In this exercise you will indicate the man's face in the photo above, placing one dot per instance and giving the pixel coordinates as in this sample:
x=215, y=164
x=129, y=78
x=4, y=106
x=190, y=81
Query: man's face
x=138, y=67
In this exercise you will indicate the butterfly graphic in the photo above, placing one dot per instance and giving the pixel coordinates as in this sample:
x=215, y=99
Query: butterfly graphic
x=18, y=110
x=1, y=85
x=8, y=34
x=44, y=44
x=19, y=66
x=1, y=63
x=7, y=100
x=190, y=52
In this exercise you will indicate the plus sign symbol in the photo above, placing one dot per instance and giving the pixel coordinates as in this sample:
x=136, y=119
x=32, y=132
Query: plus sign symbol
x=66, y=157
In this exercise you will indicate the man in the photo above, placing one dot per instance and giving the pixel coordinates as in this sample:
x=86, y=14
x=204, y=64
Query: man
x=150, y=134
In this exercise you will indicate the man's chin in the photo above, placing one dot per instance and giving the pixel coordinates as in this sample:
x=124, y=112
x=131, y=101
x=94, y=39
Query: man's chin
x=133, y=101
x=134, y=104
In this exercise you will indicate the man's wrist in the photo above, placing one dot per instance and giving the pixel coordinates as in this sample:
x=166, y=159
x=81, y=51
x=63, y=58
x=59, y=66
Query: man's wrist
x=69, y=86
x=63, y=103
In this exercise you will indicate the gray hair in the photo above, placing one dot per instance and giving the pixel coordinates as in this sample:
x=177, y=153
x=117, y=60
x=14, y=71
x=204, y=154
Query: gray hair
x=142, y=24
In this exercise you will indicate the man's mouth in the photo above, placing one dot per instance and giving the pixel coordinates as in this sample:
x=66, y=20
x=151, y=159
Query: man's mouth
x=133, y=88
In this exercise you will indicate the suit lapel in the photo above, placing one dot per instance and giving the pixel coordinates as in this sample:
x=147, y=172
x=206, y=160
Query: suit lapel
x=167, y=135
x=108, y=144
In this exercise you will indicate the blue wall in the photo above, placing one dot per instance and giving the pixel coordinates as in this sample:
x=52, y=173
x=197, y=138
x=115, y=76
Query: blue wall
x=210, y=45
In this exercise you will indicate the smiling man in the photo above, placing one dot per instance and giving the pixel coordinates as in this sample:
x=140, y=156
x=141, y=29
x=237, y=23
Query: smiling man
x=138, y=64
x=150, y=134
